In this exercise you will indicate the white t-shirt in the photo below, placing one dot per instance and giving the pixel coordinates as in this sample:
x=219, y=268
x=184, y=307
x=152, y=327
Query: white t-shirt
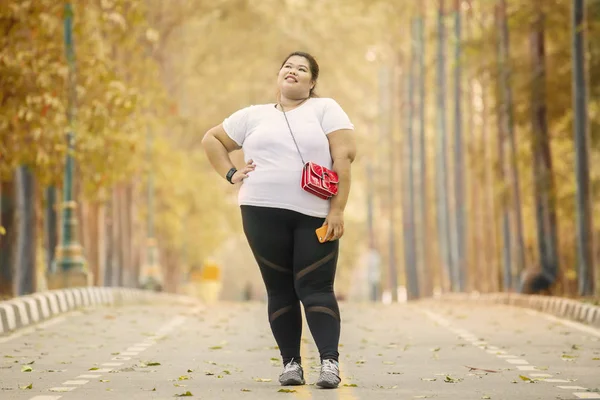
x=265, y=138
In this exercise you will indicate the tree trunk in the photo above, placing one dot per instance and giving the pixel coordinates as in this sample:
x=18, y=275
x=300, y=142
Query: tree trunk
x=508, y=127
x=409, y=221
x=8, y=206
x=51, y=225
x=118, y=233
x=459, y=173
x=585, y=247
x=542, y=166
x=490, y=237
x=92, y=246
x=427, y=272
x=109, y=258
x=25, y=272
x=503, y=169
x=441, y=153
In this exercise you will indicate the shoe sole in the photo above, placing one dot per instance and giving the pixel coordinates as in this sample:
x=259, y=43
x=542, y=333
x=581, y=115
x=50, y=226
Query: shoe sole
x=327, y=385
x=292, y=382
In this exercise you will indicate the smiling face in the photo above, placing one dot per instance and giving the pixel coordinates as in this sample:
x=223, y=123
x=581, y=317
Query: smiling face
x=295, y=79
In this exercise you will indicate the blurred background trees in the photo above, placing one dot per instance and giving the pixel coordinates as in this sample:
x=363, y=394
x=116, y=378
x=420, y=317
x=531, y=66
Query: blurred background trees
x=464, y=120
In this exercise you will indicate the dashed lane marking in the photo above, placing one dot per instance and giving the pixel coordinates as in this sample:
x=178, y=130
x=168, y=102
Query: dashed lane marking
x=62, y=389
x=572, y=387
x=76, y=383
x=514, y=359
x=46, y=398
x=587, y=395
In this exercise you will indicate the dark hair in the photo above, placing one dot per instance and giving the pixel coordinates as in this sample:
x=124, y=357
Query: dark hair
x=312, y=65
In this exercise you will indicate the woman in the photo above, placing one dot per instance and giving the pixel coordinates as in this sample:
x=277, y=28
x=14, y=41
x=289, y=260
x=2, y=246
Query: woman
x=280, y=218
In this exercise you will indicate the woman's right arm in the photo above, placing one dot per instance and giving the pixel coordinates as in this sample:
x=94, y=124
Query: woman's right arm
x=217, y=145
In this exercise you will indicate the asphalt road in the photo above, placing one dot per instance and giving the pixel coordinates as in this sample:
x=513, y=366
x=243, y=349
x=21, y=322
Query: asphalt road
x=225, y=351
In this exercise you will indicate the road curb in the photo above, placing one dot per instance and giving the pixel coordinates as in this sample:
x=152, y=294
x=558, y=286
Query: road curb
x=559, y=306
x=27, y=310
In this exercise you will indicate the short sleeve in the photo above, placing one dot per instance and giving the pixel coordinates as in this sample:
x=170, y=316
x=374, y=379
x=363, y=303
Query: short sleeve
x=334, y=117
x=236, y=125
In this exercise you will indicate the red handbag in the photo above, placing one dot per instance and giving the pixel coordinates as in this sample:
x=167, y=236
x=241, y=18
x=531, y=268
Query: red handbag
x=320, y=181
x=316, y=179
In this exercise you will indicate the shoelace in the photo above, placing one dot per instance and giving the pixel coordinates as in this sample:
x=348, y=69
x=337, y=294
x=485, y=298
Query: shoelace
x=330, y=366
x=291, y=366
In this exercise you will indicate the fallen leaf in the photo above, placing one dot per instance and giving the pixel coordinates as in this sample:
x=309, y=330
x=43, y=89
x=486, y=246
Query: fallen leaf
x=104, y=380
x=152, y=364
x=186, y=394
x=480, y=369
x=486, y=397
x=429, y=379
x=525, y=378
x=215, y=348
x=246, y=390
x=286, y=391
x=93, y=369
x=189, y=370
x=26, y=387
x=183, y=378
x=262, y=379
x=350, y=385
x=26, y=368
x=449, y=379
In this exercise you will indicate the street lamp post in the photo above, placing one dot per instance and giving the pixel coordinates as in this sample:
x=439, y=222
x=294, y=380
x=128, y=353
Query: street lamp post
x=69, y=265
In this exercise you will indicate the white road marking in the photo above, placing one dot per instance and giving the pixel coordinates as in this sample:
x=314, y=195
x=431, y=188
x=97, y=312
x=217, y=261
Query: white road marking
x=103, y=370
x=587, y=395
x=133, y=351
x=62, y=389
x=75, y=382
x=572, y=387
x=45, y=398
x=517, y=361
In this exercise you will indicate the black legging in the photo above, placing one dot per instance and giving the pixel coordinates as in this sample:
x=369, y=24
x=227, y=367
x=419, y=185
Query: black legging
x=295, y=267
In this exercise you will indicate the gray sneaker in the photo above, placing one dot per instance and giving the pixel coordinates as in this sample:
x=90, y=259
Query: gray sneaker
x=330, y=374
x=292, y=374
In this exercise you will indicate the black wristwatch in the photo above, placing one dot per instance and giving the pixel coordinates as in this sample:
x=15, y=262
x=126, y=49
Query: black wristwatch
x=230, y=174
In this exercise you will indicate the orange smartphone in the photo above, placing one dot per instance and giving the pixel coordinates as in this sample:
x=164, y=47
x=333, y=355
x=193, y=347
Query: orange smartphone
x=321, y=232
